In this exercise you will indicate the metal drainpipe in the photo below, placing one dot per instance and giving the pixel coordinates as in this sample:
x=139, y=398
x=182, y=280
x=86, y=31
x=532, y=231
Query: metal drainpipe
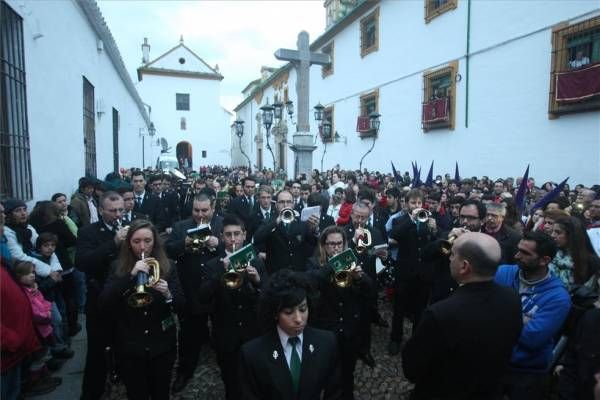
x=467, y=61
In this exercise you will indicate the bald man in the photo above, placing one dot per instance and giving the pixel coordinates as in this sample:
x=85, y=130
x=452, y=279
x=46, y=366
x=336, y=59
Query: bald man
x=462, y=345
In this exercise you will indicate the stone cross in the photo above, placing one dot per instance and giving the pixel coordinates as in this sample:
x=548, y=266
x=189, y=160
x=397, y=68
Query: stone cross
x=302, y=59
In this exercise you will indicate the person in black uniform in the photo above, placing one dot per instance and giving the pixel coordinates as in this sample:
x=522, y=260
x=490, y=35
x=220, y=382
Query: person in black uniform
x=145, y=336
x=244, y=206
x=287, y=245
x=234, y=318
x=340, y=309
x=265, y=210
x=145, y=202
x=190, y=266
x=291, y=361
x=97, y=247
x=128, y=214
x=413, y=274
x=462, y=345
x=367, y=259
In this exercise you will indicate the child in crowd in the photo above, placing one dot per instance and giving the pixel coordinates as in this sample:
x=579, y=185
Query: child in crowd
x=42, y=319
x=45, y=246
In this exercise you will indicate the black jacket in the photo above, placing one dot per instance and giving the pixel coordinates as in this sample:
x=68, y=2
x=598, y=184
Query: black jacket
x=190, y=265
x=340, y=310
x=462, y=346
x=152, y=208
x=285, y=250
x=95, y=251
x=234, y=318
x=509, y=240
x=265, y=374
x=145, y=332
x=411, y=242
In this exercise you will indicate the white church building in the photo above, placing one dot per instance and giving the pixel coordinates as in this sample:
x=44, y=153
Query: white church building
x=69, y=107
x=492, y=85
x=183, y=93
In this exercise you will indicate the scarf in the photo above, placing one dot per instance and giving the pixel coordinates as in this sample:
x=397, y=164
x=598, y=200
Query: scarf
x=562, y=267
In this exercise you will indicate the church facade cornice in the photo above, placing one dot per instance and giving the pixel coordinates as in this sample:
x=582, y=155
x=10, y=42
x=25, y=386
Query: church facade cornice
x=141, y=71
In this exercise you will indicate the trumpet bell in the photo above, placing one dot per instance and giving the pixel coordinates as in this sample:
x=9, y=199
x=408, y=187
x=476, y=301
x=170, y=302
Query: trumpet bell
x=343, y=279
x=233, y=280
x=140, y=299
x=287, y=215
x=423, y=215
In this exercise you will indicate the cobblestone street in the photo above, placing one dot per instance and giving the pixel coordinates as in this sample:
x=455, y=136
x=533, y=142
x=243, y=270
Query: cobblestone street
x=383, y=382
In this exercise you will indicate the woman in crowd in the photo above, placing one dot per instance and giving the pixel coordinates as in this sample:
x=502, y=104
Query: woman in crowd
x=346, y=208
x=145, y=342
x=340, y=308
x=575, y=261
x=47, y=217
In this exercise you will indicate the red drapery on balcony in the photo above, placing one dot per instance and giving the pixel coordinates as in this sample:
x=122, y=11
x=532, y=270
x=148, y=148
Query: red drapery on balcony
x=436, y=110
x=577, y=85
x=363, y=125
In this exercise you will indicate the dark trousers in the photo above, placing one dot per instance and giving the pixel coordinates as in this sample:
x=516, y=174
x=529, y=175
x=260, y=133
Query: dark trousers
x=147, y=379
x=98, y=338
x=349, y=356
x=524, y=386
x=70, y=298
x=410, y=300
x=193, y=334
x=228, y=363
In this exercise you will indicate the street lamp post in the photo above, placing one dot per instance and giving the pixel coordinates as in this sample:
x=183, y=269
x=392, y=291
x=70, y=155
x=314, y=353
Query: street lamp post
x=374, y=124
x=239, y=131
x=267, y=120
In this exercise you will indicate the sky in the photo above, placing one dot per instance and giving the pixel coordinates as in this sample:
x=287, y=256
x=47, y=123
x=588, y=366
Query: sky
x=240, y=36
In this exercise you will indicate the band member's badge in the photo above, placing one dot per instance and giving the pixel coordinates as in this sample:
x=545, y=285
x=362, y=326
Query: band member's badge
x=275, y=354
x=311, y=348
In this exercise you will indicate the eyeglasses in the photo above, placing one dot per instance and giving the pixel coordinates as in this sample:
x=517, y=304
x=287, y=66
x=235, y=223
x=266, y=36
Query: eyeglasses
x=334, y=244
x=468, y=217
x=285, y=202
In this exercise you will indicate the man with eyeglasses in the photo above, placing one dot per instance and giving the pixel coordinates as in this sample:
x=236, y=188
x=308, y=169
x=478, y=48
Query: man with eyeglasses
x=287, y=245
x=234, y=318
x=97, y=247
x=506, y=236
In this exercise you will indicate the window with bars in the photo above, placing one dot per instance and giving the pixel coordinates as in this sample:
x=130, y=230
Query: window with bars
x=369, y=33
x=115, y=126
x=575, y=68
x=327, y=70
x=434, y=8
x=15, y=162
x=439, y=98
x=182, y=101
x=89, y=128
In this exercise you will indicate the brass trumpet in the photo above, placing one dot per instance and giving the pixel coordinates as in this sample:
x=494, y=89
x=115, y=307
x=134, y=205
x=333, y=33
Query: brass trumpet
x=446, y=245
x=364, y=241
x=140, y=297
x=423, y=215
x=288, y=215
x=343, y=278
x=234, y=277
x=199, y=240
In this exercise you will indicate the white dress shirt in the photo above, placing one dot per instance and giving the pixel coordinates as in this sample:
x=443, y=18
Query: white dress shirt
x=287, y=347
